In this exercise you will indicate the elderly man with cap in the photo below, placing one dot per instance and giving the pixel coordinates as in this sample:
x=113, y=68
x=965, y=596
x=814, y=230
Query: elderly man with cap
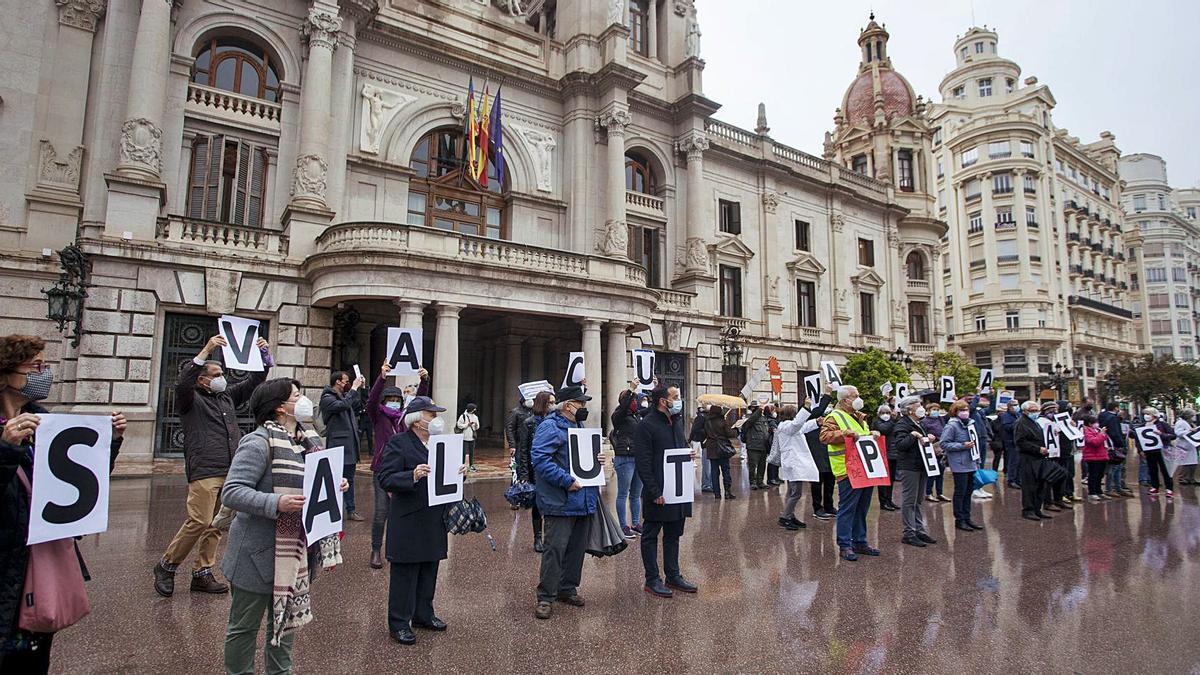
x=416, y=531
x=1054, y=495
x=564, y=503
x=842, y=427
x=385, y=409
x=1029, y=437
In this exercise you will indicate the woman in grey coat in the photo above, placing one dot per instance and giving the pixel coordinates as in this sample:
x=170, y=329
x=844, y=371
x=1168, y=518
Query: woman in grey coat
x=250, y=561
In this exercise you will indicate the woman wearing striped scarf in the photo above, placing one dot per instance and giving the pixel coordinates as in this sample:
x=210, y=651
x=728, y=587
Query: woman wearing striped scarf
x=268, y=563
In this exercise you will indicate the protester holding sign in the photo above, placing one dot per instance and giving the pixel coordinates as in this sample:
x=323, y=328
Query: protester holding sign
x=840, y=429
x=543, y=404
x=207, y=408
x=416, y=538
x=338, y=403
x=791, y=453
x=564, y=503
x=1185, y=424
x=662, y=430
x=718, y=449
x=933, y=424
x=756, y=435
x=385, y=408
x=883, y=424
x=625, y=422
x=1095, y=455
x=1153, y=451
x=1012, y=462
x=822, y=493
x=958, y=446
x=1118, y=441
x=25, y=379
x=905, y=448
x=1029, y=438
x=267, y=557
x=1059, y=493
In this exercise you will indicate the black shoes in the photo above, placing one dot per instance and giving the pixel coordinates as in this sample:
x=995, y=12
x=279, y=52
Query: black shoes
x=888, y=506
x=1031, y=516
x=963, y=526
x=376, y=560
x=787, y=524
x=1041, y=515
x=405, y=636
x=205, y=582
x=866, y=550
x=572, y=600
x=821, y=515
x=730, y=495
x=913, y=541
x=355, y=516
x=434, y=624
x=974, y=526
x=657, y=587
x=538, y=545
x=164, y=580
x=926, y=538
x=682, y=585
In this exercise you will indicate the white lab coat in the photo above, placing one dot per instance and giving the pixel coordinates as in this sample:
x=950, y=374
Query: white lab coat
x=790, y=449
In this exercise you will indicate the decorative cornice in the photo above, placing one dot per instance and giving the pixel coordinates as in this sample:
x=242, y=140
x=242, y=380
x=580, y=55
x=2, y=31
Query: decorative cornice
x=82, y=14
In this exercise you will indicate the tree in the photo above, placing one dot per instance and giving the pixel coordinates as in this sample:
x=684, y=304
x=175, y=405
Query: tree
x=966, y=376
x=1160, y=381
x=869, y=371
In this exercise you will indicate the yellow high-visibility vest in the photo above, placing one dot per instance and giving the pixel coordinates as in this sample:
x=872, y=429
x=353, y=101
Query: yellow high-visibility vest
x=837, y=457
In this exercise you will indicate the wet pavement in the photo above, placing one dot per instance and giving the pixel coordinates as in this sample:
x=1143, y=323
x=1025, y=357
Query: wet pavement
x=1110, y=587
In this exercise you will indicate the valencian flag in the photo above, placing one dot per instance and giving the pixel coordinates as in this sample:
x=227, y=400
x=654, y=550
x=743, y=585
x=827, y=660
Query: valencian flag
x=483, y=120
x=471, y=128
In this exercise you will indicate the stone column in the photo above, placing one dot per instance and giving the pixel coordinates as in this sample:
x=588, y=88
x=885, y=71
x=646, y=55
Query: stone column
x=512, y=365
x=499, y=399
x=616, y=232
x=445, y=362
x=412, y=313
x=342, y=118
x=652, y=32
x=595, y=388
x=989, y=228
x=1022, y=227
x=537, y=361
x=141, y=134
x=693, y=146
x=616, y=373
x=310, y=176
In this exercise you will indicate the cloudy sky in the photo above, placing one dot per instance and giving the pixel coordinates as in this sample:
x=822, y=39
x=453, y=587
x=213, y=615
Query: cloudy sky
x=1127, y=67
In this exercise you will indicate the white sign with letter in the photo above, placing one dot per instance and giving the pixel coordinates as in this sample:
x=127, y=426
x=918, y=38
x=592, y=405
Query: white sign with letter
x=583, y=457
x=70, y=477
x=985, y=380
x=576, y=371
x=946, y=387
x=531, y=389
x=1148, y=438
x=241, y=349
x=1050, y=438
x=871, y=456
x=929, y=457
x=357, y=372
x=1068, y=426
x=902, y=389
x=404, y=347
x=832, y=375
x=679, y=476
x=1004, y=399
x=812, y=388
x=445, y=483
x=974, y=441
x=643, y=369
x=323, y=514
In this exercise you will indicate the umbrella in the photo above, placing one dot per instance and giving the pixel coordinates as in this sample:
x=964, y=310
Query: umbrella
x=467, y=516
x=520, y=494
x=723, y=400
x=604, y=534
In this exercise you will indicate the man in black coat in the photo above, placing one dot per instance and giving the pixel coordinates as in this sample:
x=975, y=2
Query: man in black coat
x=340, y=402
x=660, y=430
x=1030, y=440
x=822, y=492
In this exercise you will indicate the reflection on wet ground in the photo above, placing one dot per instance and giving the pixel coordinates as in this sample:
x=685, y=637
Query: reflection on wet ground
x=1106, y=588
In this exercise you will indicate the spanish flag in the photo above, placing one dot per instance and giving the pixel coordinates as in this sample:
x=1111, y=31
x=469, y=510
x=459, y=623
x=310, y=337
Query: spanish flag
x=484, y=117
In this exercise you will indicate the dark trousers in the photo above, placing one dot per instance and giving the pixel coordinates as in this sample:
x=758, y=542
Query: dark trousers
x=964, y=484
x=936, y=483
x=757, y=460
x=1031, y=487
x=1056, y=491
x=671, y=532
x=1095, y=473
x=720, y=470
x=562, y=563
x=348, y=496
x=469, y=453
x=379, y=518
x=885, y=491
x=536, y=519
x=35, y=662
x=1154, y=460
x=822, y=494
x=998, y=454
x=1012, y=465
x=772, y=473
x=410, y=593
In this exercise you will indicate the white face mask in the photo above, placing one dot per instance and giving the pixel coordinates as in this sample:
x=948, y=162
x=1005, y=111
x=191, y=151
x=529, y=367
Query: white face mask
x=437, y=426
x=857, y=404
x=920, y=412
x=1148, y=418
x=885, y=417
x=217, y=384
x=303, y=410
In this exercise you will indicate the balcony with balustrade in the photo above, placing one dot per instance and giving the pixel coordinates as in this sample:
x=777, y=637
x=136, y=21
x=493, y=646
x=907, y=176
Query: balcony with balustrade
x=227, y=107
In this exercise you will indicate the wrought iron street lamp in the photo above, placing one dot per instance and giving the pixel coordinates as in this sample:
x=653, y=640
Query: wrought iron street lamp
x=65, y=300
x=1059, y=379
x=731, y=347
x=900, y=357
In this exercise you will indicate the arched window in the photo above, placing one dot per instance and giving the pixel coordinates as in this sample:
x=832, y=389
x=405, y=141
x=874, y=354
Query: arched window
x=442, y=195
x=237, y=65
x=915, y=263
x=638, y=176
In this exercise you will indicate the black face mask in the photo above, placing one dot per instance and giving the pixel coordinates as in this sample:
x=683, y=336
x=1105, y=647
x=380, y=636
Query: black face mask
x=581, y=415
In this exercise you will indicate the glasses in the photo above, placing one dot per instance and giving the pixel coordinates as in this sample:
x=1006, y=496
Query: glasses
x=36, y=366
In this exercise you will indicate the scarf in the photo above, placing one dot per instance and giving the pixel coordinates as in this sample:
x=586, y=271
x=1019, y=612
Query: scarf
x=290, y=606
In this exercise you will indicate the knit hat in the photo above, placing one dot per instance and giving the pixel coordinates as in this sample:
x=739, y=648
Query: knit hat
x=1049, y=407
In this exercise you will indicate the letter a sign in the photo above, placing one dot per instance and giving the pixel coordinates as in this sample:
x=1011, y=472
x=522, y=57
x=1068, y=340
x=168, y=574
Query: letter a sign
x=583, y=450
x=70, y=477
x=866, y=462
x=404, y=350
x=322, y=494
x=679, y=476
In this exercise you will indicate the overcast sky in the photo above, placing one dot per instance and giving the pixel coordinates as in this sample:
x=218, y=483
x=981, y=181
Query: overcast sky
x=1118, y=65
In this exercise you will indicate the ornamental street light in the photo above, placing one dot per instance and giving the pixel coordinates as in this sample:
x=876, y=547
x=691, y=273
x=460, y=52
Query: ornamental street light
x=65, y=300
x=900, y=357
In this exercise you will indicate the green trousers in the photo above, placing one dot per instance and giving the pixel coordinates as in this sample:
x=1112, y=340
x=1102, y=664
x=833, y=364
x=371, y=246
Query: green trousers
x=246, y=612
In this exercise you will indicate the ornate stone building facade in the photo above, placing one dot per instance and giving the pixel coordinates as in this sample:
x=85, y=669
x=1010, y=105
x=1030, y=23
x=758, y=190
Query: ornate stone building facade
x=1164, y=247
x=1035, y=270
x=300, y=163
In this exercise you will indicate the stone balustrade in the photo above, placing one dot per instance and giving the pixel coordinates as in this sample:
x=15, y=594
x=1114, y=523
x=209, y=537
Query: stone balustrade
x=645, y=202
x=232, y=107
x=222, y=237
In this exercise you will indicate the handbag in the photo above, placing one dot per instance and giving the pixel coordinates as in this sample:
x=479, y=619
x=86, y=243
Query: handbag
x=53, y=597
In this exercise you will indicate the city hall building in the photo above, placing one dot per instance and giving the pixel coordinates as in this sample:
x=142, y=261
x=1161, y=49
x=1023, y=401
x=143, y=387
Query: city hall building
x=301, y=163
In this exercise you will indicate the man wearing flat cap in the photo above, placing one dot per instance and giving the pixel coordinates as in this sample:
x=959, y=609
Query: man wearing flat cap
x=564, y=503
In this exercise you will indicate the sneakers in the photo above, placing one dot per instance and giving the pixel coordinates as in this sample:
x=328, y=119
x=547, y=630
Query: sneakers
x=203, y=581
x=1153, y=491
x=1170, y=494
x=543, y=610
x=164, y=580
x=1095, y=499
x=355, y=516
x=981, y=494
x=821, y=515
x=628, y=532
x=787, y=524
x=636, y=528
x=573, y=600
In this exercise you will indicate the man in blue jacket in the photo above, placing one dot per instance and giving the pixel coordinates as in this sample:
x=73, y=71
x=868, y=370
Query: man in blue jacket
x=980, y=407
x=564, y=503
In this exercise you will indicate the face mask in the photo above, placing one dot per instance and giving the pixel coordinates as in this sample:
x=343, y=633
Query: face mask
x=303, y=410
x=217, y=384
x=920, y=412
x=885, y=418
x=858, y=404
x=436, y=426
x=581, y=414
x=645, y=404
x=528, y=403
x=37, y=385
x=1034, y=415
x=1148, y=418
x=963, y=414
x=394, y=405
x=676, y=407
